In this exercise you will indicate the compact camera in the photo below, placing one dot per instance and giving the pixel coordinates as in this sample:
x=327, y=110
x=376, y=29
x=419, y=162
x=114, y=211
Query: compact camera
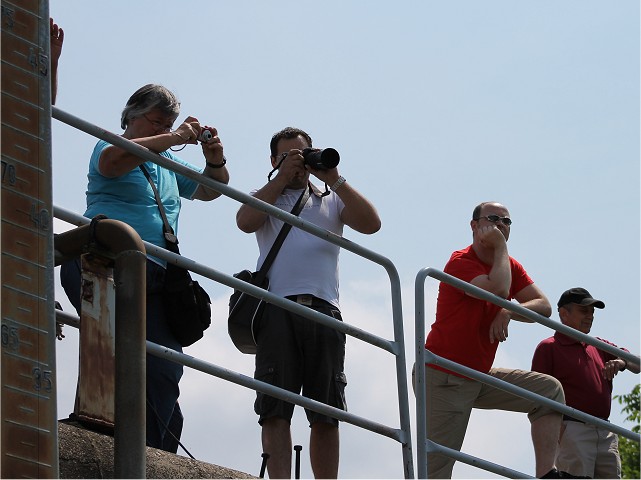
x=323, y=159
x=206, y=134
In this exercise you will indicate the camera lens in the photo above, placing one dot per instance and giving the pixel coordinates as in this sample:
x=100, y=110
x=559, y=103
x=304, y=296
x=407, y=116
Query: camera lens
x=323, y=159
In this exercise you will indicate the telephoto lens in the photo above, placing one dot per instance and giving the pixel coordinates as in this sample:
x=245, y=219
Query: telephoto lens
x=323, y=159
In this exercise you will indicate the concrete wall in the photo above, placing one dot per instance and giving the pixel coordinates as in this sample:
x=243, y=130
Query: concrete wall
x=87, y=454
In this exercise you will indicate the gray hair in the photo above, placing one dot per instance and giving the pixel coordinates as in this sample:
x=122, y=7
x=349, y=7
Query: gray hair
x=148, y=98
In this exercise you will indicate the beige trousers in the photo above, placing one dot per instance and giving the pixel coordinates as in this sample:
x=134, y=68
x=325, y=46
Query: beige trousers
x=450, y=400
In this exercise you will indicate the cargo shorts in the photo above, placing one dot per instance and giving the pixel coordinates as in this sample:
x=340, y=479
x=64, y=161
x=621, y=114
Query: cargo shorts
x=300, y=355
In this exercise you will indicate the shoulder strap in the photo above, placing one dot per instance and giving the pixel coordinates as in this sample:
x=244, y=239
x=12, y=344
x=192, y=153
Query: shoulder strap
x=170, y=237
x=264, y=268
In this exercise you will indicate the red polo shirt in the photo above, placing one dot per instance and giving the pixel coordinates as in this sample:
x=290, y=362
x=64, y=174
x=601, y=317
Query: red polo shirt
x=461, y=331
x=578, y=367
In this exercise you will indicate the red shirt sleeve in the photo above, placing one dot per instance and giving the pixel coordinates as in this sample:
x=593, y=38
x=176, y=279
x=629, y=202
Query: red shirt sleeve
x=542, y=360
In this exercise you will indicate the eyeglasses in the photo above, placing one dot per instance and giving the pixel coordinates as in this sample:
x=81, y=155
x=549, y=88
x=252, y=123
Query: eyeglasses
x=495, y=218
x=163, y=127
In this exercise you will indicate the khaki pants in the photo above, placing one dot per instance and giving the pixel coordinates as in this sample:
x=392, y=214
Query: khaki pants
x=588, y=451
x=450, y=400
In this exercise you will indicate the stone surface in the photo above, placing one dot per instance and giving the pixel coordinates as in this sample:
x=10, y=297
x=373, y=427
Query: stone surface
x=88, y=454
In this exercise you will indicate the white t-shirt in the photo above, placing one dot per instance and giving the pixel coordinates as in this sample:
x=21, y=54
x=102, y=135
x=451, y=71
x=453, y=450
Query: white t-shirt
x=305, y=264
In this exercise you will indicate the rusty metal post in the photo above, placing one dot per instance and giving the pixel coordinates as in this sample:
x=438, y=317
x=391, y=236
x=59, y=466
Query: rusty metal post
x=131, y=328
x=125, y=245
x=95, y=395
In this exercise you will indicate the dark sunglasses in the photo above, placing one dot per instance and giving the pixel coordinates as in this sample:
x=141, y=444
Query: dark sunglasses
x=495, y=218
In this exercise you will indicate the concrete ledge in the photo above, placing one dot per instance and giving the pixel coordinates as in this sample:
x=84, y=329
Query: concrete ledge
x=87, y=454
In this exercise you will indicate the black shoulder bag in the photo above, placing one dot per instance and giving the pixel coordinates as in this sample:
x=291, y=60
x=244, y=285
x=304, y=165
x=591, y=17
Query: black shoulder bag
x=187, y=305
x=245, y=310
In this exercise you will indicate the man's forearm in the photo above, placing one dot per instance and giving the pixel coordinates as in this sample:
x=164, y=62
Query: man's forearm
x=537, y=305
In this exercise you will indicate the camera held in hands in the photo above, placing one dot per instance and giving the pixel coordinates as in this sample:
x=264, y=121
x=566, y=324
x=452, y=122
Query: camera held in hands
x=323, y=159
x=206, y=134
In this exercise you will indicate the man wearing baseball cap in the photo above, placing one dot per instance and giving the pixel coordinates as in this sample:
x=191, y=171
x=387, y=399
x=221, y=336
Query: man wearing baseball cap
x=586, y=374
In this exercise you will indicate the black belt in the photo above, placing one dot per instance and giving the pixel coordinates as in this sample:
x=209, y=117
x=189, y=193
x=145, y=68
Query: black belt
x=309, y=300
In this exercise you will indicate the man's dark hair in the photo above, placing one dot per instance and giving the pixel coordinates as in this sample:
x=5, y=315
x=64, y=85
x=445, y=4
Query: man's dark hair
x=287, y=133
x=476, y=214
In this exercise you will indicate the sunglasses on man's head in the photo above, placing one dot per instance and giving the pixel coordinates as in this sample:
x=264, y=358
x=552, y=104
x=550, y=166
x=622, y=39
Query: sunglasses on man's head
x=495, y=218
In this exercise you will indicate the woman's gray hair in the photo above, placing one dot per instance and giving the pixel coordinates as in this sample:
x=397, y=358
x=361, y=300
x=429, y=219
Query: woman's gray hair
x=148, y=98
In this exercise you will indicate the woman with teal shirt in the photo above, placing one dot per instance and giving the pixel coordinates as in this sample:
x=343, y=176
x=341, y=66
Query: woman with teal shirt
x=118, y=189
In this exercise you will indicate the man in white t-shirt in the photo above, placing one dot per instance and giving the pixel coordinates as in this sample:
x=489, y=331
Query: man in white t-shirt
x=294, y=352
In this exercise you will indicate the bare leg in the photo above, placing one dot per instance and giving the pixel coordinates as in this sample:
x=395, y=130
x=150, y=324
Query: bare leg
x=324, y=450
x=277, y=441
x=545, y=438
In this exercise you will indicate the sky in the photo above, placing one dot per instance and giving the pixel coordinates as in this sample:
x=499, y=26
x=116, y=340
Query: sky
x=434, y=107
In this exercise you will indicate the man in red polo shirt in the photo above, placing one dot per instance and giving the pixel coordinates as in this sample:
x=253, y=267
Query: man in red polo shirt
x=586, y=374
x=468, y=330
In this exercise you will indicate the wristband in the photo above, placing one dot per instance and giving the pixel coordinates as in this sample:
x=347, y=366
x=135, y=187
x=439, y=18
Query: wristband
x=220, y=165
x=338, y=183
x=175, y=132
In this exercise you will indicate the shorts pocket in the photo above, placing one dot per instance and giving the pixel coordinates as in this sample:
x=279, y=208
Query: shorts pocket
x=264, y=403
x=340, y=382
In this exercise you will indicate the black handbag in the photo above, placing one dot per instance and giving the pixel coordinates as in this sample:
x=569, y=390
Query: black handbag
x=246, y=310
x=187, y=304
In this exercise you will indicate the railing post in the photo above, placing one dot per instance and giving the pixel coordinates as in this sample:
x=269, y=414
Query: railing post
x=130, y=410
x=130, y=282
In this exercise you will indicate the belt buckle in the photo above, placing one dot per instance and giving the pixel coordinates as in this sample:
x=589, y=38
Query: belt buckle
x=305, y=300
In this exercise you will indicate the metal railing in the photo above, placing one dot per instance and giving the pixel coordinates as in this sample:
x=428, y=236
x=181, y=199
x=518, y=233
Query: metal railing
x=423, y=356
x=396, y=346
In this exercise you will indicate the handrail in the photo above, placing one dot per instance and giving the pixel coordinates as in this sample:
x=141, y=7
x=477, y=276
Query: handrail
x=397, y=347
x=433, y=359
x=271, y=390
x=422, y=354
x=473, y=461
x=399, y=435
x=529, y=314
x=249, y=382
x=233, y=282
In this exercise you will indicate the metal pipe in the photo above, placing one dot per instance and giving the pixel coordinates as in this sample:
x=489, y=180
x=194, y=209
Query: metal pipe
x=263, y=465
x=67, y=318
x=130, y=278
x=297, y=448
x=473, y=461
x=531, y=315
x=397, y=347
x=271, y=390
x=233, y=282
x=434, y=359
x=120, y=239
x=424, y=356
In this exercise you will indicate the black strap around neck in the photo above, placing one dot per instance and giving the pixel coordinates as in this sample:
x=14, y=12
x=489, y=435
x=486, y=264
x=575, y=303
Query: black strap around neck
x=264, y=268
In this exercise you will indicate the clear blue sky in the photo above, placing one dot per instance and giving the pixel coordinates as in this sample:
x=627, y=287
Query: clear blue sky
x=434, y=107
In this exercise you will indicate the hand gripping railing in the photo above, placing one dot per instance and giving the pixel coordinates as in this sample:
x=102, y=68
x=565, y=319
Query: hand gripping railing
x=424, y=356
x=396, y=347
